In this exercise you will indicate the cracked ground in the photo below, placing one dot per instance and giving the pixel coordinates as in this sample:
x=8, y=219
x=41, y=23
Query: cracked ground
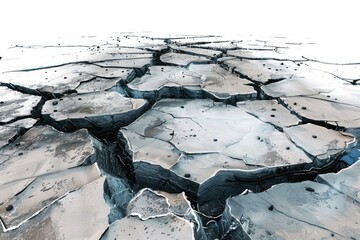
x=139, y=136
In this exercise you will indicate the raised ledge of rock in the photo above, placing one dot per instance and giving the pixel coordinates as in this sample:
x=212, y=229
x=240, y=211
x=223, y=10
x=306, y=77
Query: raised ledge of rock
x=196, y=81
x=198, y=146
x=95, y=111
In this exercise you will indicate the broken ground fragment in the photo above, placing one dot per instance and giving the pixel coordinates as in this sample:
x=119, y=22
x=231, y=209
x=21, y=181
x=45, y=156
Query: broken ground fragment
x=99, y=111
x=347, y=181
x=82, y=214
x=269, y=111
x=167, y=226
x=57, y=81
x=22, y=58
x=282, y=54
x=11, y=131
x=199, y=146
x=182, y=59
x=42, y=192
x=263, y=71
x=324, y=144
x=197, y=51
x=350, y=73
x=151, y=209
x=305, y=210
x=43, y=150
x=15, y=105
x=198, y=81
x=323, y=110
x=311, y=84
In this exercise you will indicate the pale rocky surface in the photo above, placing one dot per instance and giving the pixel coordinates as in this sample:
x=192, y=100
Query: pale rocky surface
x=15, y=105
x=181, y=59
x=221, y=137
x=305, y=210
x=94, y=110
x=269, y=111
x=197, y=80
x=177, y=141
x=157, y=215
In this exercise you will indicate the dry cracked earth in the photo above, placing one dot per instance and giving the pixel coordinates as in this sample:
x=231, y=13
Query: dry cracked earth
x=141, y=136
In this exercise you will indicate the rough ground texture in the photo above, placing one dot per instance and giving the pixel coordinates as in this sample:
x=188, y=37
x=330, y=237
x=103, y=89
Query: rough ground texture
x=135, y=136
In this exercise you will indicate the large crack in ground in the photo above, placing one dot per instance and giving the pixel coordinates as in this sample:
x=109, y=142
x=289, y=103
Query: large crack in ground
x=181, y=137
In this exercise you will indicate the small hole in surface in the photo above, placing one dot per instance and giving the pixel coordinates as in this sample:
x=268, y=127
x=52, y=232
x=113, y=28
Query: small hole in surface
x=55, y=110
x=271, y=207
x=9, y=208
x=309, y=189
x=187, y=175
x=273, y=109
x=20, y=154
x=303, y=108
x=314, y=136
x=182, y=106
x=272, y=115
x=215, y=140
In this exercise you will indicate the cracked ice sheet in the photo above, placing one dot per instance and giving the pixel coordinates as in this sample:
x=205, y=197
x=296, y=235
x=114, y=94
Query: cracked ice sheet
x=263, y=71
x=347, y=181
x=211, y=78
x=269, y=111
x=282, y=54
x=168, y=226
x=307, y=85
x=150, y=209
x=318, y=141
x=58, y=80
x=197, y=51
x=43, y=150
x=15, y=105
x=182, y=59
x=9, y=132
x=195, y=139
x=322, y=110
x=42, y=191
x=94, y=109
x=346, y=72
x=82, y=214
x=20, y=58
x=305, y=210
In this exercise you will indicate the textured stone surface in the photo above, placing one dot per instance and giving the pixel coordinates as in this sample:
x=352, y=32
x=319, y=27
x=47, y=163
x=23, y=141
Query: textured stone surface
x=43, y=150
x=197, y=80
x=95, y=110
x=79, y=215
x=198, y=142
x=15, y=105
x=202, y=119
x=305, y=210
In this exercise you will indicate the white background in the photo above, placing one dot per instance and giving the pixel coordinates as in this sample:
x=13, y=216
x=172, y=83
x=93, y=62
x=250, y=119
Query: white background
x=333, y=21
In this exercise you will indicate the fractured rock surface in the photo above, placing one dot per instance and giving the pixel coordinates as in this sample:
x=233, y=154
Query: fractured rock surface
x=59, y=80
x=209, y=80
x=197, y=142
x=15, y=105
x=157, y=215
x=103, y=110
x=181, y=59
x=79, y=215
x=270, y=118
x=43, y=150
x=305, y=210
